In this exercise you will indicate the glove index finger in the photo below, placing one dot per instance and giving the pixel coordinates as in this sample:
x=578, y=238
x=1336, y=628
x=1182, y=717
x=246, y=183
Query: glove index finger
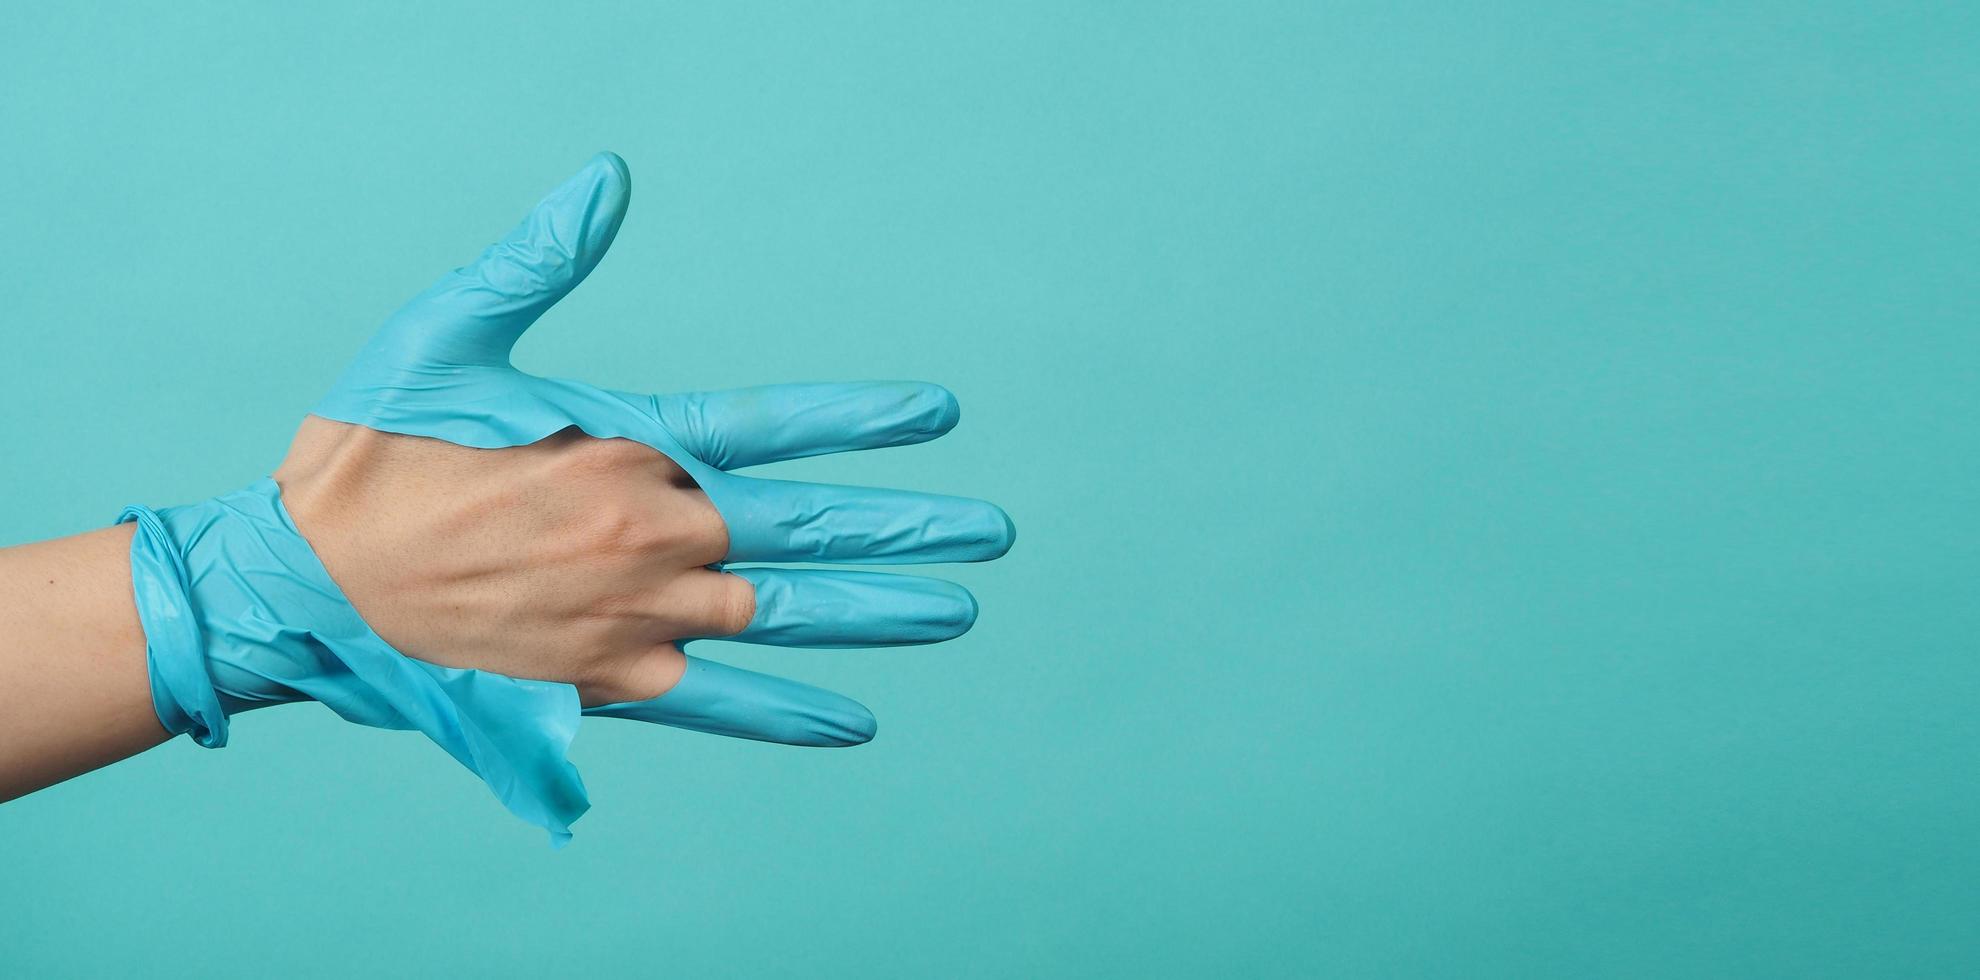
x=768, y=424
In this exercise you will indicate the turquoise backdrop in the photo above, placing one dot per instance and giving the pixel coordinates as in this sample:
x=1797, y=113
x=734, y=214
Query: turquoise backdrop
x=1497, y=483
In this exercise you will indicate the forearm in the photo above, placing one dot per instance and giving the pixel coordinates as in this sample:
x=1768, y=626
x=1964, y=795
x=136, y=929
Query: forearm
x=75, y=693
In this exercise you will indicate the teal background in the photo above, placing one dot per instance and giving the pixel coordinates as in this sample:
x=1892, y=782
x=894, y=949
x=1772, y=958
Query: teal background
x=1496, y=482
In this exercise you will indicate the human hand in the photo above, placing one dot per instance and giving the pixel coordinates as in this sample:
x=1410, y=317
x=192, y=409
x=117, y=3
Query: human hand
x=593, y=573
x=580, y=560
x=459, y=547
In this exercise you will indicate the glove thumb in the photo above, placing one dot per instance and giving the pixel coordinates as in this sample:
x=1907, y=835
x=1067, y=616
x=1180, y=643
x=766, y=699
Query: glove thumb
x=475, y=314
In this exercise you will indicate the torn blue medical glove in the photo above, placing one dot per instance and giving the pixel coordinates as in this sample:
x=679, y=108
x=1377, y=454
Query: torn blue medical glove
x=440, y=368
x=239, y=613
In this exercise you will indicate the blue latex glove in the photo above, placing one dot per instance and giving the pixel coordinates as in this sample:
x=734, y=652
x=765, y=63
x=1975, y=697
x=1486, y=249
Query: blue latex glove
x=238, y=611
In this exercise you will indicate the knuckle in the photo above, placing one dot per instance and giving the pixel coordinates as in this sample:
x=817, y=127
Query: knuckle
x=622, y=531
x=607, y=454
x=607, y=462
x=639, y=678
x=735, y=605
x=705, y=536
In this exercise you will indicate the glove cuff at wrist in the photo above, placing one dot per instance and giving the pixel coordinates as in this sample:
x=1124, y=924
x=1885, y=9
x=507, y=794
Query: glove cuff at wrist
x=181, y=691
x=238, y=611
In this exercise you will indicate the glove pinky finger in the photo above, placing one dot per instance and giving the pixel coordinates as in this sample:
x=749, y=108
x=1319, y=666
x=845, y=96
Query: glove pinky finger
x=724, y=700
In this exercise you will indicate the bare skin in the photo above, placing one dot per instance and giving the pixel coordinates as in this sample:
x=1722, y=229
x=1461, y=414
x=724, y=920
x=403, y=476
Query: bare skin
x=74, y=690
x=575, y=559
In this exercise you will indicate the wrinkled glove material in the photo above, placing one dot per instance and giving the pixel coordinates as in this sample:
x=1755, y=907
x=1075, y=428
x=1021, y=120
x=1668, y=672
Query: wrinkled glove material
x=238, y=612
x=272, y=626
